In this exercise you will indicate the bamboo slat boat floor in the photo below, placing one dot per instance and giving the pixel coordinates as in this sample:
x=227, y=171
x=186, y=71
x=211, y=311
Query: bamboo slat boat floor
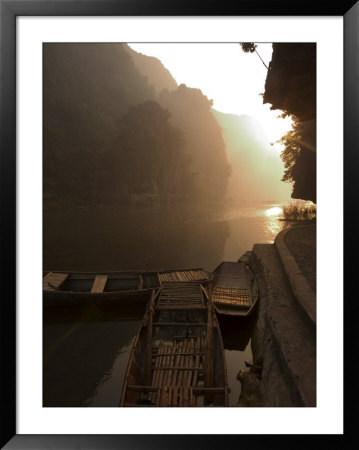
x=181, y=295
x=233, y=286
x=178, y=364
x=239, y=297
x=177, y=368
x=178, y=371
x=183, y=275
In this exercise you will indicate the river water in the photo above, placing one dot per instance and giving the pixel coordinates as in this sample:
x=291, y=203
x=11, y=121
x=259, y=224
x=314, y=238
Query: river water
x=86, y=350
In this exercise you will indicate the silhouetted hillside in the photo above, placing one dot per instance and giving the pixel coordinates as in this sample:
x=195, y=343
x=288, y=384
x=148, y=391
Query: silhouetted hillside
x=154, y=70
x=107, y=140
x=87, y=88
x=204, y=143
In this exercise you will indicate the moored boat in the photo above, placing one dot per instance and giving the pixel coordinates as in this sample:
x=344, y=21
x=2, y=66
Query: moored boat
x=233, y=289
x=74, y=288
x=177, y=358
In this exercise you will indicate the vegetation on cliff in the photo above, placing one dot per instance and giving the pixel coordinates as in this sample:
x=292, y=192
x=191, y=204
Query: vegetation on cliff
x=149, y=156
x=204, y=143
x=117, y=126
x=291, y=87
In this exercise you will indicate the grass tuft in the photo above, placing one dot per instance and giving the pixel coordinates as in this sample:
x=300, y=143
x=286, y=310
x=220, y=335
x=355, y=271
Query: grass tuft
x=299, y=212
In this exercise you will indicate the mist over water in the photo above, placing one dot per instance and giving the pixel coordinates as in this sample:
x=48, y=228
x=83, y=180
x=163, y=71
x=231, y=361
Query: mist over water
x=86, y=350
x=119, y=128
x=151, y=237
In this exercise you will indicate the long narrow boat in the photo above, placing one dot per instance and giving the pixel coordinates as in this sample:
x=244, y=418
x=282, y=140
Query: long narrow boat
x=74, y=288
x=177, y=358
x=234, y=290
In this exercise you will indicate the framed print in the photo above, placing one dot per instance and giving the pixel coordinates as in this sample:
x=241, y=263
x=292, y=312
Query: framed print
x=139, y=170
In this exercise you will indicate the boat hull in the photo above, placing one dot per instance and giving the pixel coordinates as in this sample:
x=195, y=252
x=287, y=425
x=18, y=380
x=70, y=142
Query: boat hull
x=68, y=298
x=234, y=291
x=177, y=358
x=127, y=287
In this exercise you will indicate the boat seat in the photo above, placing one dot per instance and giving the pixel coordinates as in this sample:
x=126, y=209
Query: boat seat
x=99, y=284
x=53, y=281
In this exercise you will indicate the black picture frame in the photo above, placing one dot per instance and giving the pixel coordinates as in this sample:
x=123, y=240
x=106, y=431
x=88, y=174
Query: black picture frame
x=9, y=10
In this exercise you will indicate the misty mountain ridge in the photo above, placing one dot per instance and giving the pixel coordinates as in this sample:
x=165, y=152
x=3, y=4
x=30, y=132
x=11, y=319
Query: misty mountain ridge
x=256, y=170
x=154, y=70
x=117, y=128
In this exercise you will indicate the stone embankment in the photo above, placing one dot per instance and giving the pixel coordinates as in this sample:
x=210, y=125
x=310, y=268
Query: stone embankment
x=284, y=341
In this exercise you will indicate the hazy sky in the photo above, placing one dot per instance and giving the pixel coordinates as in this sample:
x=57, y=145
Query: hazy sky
x=224, y=73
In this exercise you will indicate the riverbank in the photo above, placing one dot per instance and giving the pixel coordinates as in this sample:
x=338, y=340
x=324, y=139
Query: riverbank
x=284, y=341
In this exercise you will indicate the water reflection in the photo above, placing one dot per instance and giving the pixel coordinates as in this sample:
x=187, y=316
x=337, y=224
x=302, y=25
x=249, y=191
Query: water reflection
x=78, y=366
x=112, y=381
x=272, y=223
x=275, y=211
x=87, y=366
x=86, y=350
x=236, y=335
x=153, y=237
x=133, y=238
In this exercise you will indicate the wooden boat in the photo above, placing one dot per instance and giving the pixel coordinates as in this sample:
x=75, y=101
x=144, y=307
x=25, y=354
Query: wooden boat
x=76, y=288
x=233, y=290
x=177, y=358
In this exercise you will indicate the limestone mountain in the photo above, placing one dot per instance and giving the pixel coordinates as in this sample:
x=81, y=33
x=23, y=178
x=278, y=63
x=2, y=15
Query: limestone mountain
x=191, y=112
x=152, y=68
x=109, y=135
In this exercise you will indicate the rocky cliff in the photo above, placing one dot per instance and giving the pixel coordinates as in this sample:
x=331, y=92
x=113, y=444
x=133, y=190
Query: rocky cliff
x=116, y=126
x=291, y=87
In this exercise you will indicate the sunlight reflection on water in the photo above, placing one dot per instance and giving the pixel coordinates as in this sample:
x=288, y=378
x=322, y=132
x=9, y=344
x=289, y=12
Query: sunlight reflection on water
x=272, y=227
x=89, y=367
x=272, y=223
x=275, y=211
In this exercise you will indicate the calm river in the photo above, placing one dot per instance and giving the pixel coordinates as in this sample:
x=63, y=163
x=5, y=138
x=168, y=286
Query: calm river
x=86, y=350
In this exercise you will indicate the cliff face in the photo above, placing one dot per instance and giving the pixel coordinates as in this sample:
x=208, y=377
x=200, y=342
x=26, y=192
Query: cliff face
x=291, y=80
x=107, y=136
x=291, y=87
x=203, y=141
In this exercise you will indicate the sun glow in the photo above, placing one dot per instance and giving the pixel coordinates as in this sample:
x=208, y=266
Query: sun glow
x=275, y=211
x=234, y=80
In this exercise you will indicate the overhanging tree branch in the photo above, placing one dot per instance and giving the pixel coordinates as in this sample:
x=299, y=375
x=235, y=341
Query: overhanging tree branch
x=250, y=47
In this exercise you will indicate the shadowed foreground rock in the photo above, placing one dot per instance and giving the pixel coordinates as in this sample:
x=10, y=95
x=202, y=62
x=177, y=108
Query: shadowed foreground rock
x=251, y=389
x=284, y=342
